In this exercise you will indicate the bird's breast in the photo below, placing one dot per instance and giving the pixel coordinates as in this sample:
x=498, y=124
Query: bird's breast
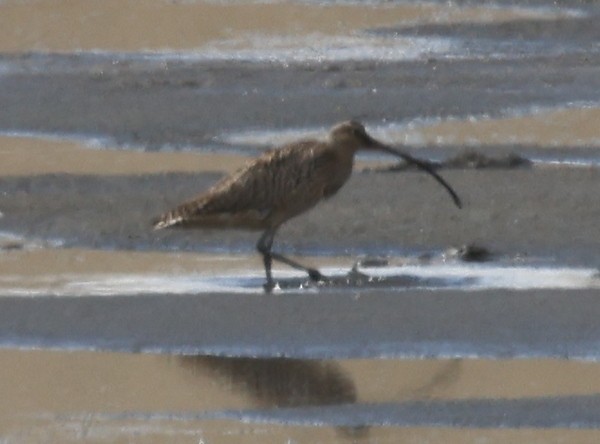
x=337, y=174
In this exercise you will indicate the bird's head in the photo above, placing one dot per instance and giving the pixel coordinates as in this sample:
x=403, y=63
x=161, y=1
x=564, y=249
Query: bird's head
x=352, y=135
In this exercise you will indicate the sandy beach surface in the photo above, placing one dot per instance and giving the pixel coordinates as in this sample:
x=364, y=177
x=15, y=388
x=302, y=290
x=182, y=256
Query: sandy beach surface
x=435, y=324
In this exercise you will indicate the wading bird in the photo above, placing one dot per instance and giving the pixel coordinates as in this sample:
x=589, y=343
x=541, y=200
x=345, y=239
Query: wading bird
x=280, y=184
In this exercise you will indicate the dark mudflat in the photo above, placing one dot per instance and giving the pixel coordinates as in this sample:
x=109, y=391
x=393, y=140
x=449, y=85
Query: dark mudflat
x=532, y=213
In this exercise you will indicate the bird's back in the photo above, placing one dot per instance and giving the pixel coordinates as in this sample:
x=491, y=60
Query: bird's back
x=276, y=186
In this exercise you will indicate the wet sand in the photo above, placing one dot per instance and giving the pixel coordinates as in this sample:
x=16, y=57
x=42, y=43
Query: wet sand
x=52, y=394
x=185, y=26
x=60, y=382
x=98, y=142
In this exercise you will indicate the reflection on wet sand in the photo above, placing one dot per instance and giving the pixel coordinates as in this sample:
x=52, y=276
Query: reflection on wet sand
x=116, y=397
x=446, y=376
x=281, y=382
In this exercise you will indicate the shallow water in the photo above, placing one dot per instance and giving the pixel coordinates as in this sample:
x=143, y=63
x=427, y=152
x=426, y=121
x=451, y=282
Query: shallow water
x=215, y=274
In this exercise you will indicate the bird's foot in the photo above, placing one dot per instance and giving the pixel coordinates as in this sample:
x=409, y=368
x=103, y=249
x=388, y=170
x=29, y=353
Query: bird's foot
x=269, y=286
x=315, y=275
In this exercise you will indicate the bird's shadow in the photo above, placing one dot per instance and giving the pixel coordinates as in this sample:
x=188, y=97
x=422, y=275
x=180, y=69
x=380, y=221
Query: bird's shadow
x=282, y=383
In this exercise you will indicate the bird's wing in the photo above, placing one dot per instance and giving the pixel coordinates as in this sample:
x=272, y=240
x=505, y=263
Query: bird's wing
x=264, y=185
x=268, y=181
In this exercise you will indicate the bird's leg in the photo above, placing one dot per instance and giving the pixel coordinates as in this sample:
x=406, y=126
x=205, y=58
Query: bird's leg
x=264, y=246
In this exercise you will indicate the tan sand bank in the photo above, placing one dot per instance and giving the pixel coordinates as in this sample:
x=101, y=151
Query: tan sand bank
x=29, y=156
x=113, y=25
x=561, y=127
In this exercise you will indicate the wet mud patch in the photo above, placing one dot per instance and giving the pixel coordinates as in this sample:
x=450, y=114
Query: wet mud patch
x=443, y=276
x=354, y=280
x=182, y=103
x=368, y=323
x=539, y=212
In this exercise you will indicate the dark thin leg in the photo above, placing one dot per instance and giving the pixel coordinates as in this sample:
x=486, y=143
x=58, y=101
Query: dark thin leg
x=264, y=246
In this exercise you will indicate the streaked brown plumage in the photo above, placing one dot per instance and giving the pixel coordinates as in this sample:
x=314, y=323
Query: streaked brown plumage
x=280, y=184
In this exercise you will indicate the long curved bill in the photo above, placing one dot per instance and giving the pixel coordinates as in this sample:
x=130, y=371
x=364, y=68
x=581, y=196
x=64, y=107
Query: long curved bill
x=425, y=166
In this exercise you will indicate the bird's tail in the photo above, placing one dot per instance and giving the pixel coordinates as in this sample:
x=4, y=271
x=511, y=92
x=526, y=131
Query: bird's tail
x=177, y=216
x=184, y=214
x=167, y=219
